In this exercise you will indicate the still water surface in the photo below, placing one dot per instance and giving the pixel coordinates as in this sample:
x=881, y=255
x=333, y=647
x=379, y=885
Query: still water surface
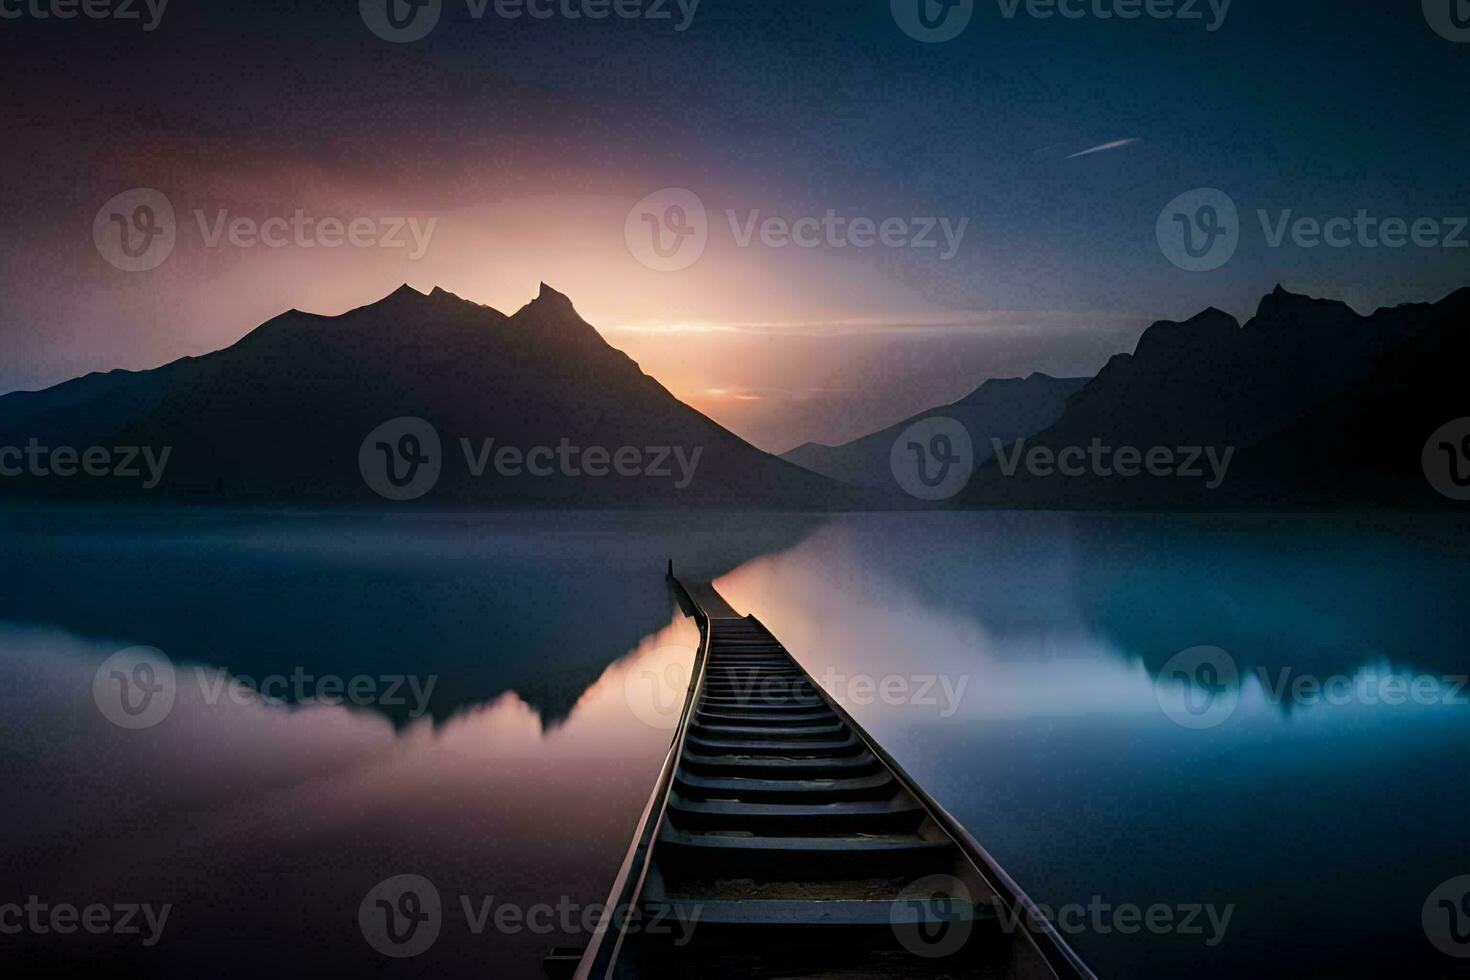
x=1012, y=660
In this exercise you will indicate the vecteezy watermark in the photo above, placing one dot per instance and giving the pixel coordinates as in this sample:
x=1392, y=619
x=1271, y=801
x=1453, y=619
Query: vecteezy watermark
x=403, y=916
x=117, y=462
x=656, y=687
x=1449, y=18
x=1200, y=687
x=1369, y=687
x=940, y=691
x=405, y=21
x=934, y=21
x=402, y=460
x=1446, y=459
x=832, y=230
x=1199, y=231
x=137, y=231
x=568, y=459
x=303, y=230
x=1181, y=10
x=41, y=918
x=934, y=917
x=136, y=688
x=1446, y=917
x=932, y=459
x=668, y=231
x=300, y=687
x=148, y=12
x=1205, y=920
x=401, y=21
x=1097, y=459
x=1363, y=230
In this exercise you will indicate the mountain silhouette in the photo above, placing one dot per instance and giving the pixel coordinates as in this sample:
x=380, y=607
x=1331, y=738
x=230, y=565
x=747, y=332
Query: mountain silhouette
x=285, y=413
x=1314, y=404
x=1319, y=406
x=1002, y=408
x=478, y=606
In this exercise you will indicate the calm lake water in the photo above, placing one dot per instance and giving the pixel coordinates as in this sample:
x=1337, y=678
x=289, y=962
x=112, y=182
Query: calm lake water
x=509, y=706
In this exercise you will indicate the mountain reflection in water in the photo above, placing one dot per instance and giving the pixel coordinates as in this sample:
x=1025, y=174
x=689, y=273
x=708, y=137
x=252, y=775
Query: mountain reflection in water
x=558, y=656
x=1315, y=815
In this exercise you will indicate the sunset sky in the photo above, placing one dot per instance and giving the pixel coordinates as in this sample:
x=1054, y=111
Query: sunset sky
x=528, y=141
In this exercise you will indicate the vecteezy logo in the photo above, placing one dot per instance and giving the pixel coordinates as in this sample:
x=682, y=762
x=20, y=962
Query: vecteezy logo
x=135, y=688
x=933, y=458
x=933, y=917
x=401, y=459
x=1198, y=687
x=1199, y=230
x=1446, y=459
x=667, y=230
x=1449, y=18
x=1446, y=917
x=932, y=21
x=401, y=21
x=656, y=685
x=136, y=231
x=401, y=916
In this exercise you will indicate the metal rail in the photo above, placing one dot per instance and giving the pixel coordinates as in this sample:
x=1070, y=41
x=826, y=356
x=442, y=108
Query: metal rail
x=600, y=960
x=1063, y=961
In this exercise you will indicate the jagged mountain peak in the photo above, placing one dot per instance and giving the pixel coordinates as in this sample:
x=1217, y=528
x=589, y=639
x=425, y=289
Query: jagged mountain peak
x=406, y=297
x=1205, y=329
x=404, y=300
x=439, y=292
x=283, y=413
x=405, y=291
x=549, y=303
x=1281, y=306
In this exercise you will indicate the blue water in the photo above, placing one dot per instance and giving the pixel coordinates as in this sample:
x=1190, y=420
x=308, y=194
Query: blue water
x=1325, y=823
x=1026, y=651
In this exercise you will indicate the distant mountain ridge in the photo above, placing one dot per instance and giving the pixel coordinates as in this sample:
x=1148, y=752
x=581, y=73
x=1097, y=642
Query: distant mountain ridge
x=1001, y=408
x=1320, y=405
x=1307, y=404
x=283, y=413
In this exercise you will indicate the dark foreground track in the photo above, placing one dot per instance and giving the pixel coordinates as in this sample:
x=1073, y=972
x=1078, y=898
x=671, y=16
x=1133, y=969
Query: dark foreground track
x=781, y=841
